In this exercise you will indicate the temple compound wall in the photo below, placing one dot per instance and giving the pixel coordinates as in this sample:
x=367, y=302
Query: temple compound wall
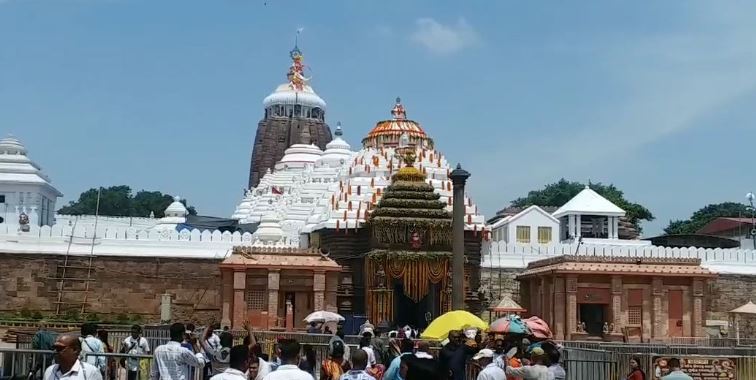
x=119, y=285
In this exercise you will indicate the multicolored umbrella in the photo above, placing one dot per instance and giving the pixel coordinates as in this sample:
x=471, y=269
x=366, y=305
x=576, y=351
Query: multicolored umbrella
x=453, y=320
x=538, y=328
x=511, y=324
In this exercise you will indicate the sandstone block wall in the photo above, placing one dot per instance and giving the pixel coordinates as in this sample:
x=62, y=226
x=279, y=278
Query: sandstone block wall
x=119, y=285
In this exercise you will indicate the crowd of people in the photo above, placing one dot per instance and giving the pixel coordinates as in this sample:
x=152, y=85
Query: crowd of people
x=212, y=355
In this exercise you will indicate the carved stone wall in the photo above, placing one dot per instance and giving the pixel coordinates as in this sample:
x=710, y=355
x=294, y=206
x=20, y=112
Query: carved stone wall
x=274, y=135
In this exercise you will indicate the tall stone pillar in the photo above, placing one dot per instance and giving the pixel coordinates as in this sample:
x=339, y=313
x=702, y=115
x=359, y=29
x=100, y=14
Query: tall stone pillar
x=559, y=306
x=227, y=297
x=535, y=296
x=571, y=313
x=578, y=226
x=459, y=177
x=617, y=304
x=657, y=291
x=318, y=288
x=240, y=303
x=274, y=279
x=698, y=322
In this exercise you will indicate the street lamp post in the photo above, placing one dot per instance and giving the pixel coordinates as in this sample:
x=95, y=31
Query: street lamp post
x=750, y=197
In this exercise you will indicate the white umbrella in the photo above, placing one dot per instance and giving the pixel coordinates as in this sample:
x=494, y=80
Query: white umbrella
x=749, y=308
x=323, y=317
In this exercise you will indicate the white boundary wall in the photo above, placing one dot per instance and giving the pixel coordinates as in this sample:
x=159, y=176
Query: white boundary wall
x=499, y=254
x=121, y=241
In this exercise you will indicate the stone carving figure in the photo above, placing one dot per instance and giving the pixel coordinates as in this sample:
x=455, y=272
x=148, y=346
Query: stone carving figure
x=580, y=327
x=23, y=222
x=380, y=277
x=606, y=328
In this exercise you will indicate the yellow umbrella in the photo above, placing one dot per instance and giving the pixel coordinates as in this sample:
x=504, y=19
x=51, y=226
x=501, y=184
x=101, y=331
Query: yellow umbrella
x=453, y=320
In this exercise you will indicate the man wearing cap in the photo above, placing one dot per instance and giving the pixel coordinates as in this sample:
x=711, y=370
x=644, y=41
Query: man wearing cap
x=535, y=371
x=490, y=370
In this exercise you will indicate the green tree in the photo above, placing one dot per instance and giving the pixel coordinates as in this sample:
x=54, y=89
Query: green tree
x=705, y=215
x=118, y=201
x=558, y=193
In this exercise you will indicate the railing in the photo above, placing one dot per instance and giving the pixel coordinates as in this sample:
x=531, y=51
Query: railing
x=15, y=362
x=582, y=364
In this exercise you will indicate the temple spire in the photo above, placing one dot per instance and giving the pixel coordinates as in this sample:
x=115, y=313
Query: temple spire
x=296, y=77
x=398, y=111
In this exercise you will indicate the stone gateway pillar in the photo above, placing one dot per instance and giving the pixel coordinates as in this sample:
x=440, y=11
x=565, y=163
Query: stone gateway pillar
x=459, y=178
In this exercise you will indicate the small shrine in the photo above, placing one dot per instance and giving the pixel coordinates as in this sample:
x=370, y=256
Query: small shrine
x=276, y=288
x=407, y=271
x=617, y=298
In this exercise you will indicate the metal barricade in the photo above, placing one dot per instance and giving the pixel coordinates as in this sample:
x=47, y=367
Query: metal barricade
x=118, y=365
x=19, y=363
x=582, y=364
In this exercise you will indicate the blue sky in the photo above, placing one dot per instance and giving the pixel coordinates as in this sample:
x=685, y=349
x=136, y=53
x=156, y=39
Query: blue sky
x=655, y=97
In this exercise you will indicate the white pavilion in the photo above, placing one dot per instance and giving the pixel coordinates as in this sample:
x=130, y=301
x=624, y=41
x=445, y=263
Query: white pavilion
x=24, y=189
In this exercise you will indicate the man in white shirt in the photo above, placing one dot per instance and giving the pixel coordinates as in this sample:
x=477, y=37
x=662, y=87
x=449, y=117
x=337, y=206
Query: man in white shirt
x=536, y=371
x=490, y=371
x=134, y=344
x=289, y=368
x=218, y=353
x=68, y=366
x=238, y=364
x=91, y=345
x=171, y=361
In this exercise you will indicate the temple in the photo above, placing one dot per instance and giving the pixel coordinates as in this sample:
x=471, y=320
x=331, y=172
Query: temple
x=369, y=215
x=615, y=298
x=294, y=114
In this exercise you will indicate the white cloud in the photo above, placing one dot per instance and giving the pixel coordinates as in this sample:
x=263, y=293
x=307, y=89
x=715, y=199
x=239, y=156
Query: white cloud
x=444, y=39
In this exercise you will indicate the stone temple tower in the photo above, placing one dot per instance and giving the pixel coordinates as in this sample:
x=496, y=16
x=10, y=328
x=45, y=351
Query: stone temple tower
x=294, y=114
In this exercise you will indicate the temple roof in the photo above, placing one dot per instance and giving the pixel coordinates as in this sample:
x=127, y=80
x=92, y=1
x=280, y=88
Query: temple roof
x=589, y=202
x=17, y=168
x=388, y=132
x=722, y=224
x=278, y=258
x=643, y=266
x=507, y=304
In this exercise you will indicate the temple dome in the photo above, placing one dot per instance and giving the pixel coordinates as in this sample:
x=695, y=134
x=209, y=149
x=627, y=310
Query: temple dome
x=176, y=208
x=175, y=215
x=269, y=230
x=388, y=132
x=285, y=95
x=301, y=153
x=243, y=209
x=337, y=151
x=11, y=145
